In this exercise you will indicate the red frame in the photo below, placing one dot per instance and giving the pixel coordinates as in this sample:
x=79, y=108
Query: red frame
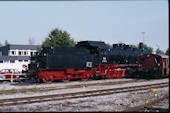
x=109, y=71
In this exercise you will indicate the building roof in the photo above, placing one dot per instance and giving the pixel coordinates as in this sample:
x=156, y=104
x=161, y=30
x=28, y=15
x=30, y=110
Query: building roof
x=5, y=49
x=17, y=46
x=7, y=58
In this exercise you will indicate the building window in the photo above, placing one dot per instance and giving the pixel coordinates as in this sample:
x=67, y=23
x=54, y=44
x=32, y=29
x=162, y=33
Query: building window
x=12, y=52
x=20, y=60
x=12, y=61
x=25, y=60
x=31, y=53
x=6, y=61
x=19, y=53
x=25, y=53
x=1, y=61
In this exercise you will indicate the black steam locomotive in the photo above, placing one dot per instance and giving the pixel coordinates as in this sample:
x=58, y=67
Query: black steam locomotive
x=82, y=61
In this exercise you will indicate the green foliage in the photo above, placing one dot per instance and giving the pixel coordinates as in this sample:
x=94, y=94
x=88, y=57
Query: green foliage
x=158, y=51
x=150, y=49
x=6, y=42
x=58, y=37
x=167, y=52
x=31, y=41
x=109, y=45
x=133, y=46
x=1, y=45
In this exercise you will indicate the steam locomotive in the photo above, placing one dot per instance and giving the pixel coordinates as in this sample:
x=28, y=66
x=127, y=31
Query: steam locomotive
x=88, y=59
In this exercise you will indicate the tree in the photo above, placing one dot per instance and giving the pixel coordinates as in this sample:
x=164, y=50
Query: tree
x=31, y=41
x=1, y=45
x=109, y=45
x=167, y=52
x=158, y=51
x=6, y=42
x=58, y=37
x=150, y=49
x=133, y=46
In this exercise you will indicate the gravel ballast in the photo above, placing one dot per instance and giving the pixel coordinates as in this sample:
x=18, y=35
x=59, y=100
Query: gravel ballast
x=113, y=102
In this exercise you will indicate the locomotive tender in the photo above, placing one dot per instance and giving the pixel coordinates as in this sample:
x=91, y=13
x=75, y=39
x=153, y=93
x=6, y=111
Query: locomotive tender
x=88, y=59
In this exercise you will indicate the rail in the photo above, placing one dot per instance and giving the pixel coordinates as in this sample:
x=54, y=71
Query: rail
x=83, y=94
x=42, y=89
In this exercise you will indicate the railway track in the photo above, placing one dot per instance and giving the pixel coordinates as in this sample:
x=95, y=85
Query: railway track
x=82, y=94
x=43, y=89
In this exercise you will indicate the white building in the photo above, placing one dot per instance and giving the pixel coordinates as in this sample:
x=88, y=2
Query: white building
x=16, y=56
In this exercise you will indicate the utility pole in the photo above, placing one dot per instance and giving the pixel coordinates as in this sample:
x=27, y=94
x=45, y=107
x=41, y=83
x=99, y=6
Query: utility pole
x=143, y=33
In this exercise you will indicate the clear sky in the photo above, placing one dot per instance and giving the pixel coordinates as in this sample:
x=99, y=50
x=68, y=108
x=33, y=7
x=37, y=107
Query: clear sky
x=108, y=21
